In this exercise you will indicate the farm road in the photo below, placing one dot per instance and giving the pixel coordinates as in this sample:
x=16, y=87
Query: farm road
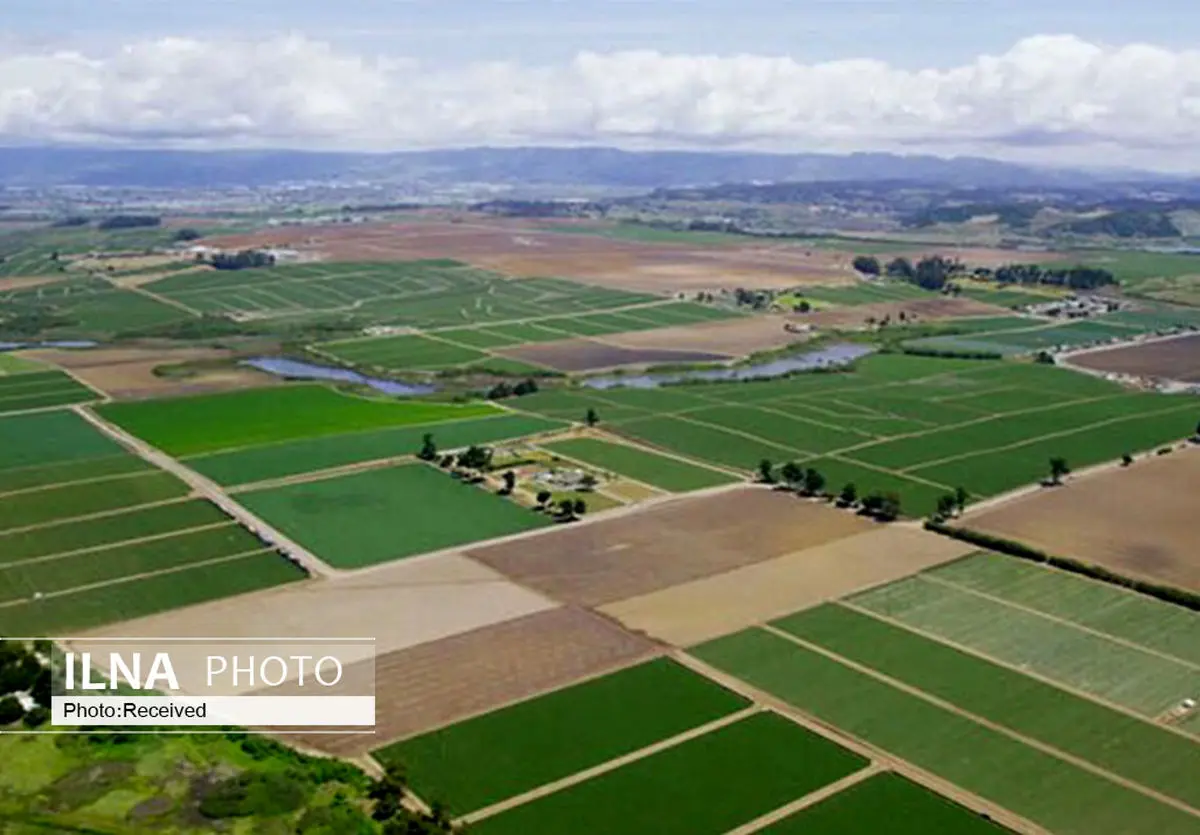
x=210, y=491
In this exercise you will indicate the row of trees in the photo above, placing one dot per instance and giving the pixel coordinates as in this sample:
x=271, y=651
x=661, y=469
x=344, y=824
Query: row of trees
x=811, y=482
x=503, y=390
x=935, y=273
x=245, y=260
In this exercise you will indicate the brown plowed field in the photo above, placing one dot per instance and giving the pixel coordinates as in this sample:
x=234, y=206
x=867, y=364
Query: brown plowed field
x=1138, y=520
x=917, y=310
x=129, y=372
x=690, y=613
x=519, y=250
x=437, y=683
x=736, y=337
x=592, y=355
x=653, y=548
x=1169, y=359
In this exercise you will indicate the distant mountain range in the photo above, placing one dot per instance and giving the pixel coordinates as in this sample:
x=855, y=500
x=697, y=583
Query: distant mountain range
x=594, y=167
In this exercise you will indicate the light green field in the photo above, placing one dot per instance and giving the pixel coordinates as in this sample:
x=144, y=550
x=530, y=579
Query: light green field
x=710, y=784
x=1154, y=624
x=1044, y=789
x=11, y=364
x=510, y=751
x=72, y=500
x=1136, y=679
x=641, y=465
x=210, y=423
x=379, y=515
x=1131, y=748
x=401, y=352
x=280, y=460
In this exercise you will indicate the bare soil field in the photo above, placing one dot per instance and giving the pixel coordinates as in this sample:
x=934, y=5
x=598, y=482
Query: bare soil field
x=736, y=337
x=1137, y=520
x=401, y=605
x=129, y=372
x=444, y=681
x=511, y=248
x=594, y=355
x=1170, y=359
x=22, y=282
x=698, y=611
x=917, y=310
x=649, y=549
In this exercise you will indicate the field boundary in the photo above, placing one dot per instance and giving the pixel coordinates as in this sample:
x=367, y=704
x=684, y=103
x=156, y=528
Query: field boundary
x=810, y=799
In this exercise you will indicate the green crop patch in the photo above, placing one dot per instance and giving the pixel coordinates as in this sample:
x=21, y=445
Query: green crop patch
x=885, y=803
x=68, y=501
x=476, y=338
x=653, y=469
x=797, y=433
x=210, y=423
x=50, y=576
x=710, y=784
x=706, y=443
x=51, y=438
x=1131, y=748
x=31, y=478
x=379, y=515
x=274, y=461
x=124, y=600
x=917, y=498
x=513, y=750
x=402, y=352
x=21, y=392
x=1162, y=627
x=1042, y=788
x=1136, y=679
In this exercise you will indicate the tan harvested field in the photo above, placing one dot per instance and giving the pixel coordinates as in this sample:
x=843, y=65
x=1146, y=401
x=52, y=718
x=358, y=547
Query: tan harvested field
x=400, y=605
x=736, y=337
x=631, y=491
x=652, y=548
x=22, y=282
x=594, y=355
x=916, y=310
x=1177, y=358
x=515, y=248
x=694, y=612
x=438, y=683
x=129, y=372
x=1138, y=520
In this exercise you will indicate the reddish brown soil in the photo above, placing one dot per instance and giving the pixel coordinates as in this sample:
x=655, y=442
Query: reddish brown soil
x=1171, y=359
x=650, y=549
x=437, y=683
x=736, y=337
x=591, y=355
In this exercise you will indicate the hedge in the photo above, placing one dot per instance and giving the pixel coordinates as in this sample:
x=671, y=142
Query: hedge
x=1169, y=594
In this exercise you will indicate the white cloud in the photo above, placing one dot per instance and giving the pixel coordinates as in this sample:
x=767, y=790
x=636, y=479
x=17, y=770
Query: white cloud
x=1046, y=98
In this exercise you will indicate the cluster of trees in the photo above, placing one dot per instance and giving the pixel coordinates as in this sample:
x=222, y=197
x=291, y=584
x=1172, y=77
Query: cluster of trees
x=388, y=795
x=187, y=234
x=502, y=390
x=809, y=481
x=951, y=503
x=1131, y=223
x=937, y=272
x=755, y=299
x=129, y=222
x=1078, y=277
x=565, y=510
x=244, y=260
x=71, y=222
x=22, y=671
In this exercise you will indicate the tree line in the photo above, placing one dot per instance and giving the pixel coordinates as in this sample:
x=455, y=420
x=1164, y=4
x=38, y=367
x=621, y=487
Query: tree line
x=936, y=272
x=244, y=260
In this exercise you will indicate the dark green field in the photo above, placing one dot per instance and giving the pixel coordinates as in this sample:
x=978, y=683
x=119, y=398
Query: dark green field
x=36, y=441
x=655, y=470
x=41, y=390
x=510, y=751
x=72, y=500
x=379, y=515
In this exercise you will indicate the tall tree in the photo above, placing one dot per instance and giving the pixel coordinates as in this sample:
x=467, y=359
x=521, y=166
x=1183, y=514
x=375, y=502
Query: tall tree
x=961, y=497
x=766, y=471
x=814, y=482
x=591, y=418
x=429, y=449
x=1058, y=469
x=849, y=494
x=792, y=474
x=510, y=482
x=867, y=265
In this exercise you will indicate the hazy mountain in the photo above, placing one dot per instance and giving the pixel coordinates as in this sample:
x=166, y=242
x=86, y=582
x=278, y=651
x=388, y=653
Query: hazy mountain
x=59, y=166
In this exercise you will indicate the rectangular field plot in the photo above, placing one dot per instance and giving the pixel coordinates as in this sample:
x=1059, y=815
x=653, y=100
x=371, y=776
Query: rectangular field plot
x=1131, y=748
x=31, y=478
x=68, y=501
x=656, y=470
x=401, y=352
x=710, y=784
x=508, y=752
x=72, y=612
x=29, y=441
x=211, y=423
x=1136, y=618
x=379, y=515
x=274, y=461
x=41, y=390
x=1042, y=788
x=885, y=803
x=1088, y=661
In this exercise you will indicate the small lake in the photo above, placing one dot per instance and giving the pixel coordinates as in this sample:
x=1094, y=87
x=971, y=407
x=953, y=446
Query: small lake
x=21, y=346
x=297, y=370
x=829, y=357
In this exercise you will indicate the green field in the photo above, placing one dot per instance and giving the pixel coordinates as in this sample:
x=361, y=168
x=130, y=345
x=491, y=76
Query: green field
x=1137, y=750
x=11, y=364
x=655, y=470
x=918, y=426
x=885, y=803
x=1042, y=788
x=29, y=441
x=71, y=500
x=513, y=750
x=118, y=601
x=1136, y=618
x=1161, y=275
x=280, y=460
x=62, y=537
x=710, y=784
x=211, y=423
x=41, y=390
x=385, y=514
x=401, y=352
x=865, y=292
x=1133, y=678
x=31, y=478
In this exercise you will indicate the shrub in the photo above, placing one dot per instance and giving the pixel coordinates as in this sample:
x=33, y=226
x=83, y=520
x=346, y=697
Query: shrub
x=255, y=793
x=10, y=710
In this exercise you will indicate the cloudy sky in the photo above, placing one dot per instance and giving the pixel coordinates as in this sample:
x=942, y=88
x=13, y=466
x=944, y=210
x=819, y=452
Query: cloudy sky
x=1063, y=81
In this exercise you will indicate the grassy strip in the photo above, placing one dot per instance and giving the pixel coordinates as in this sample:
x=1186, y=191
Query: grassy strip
x=1041, y=788
x=710, y=784
x=510, y=751
x=74, y=500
